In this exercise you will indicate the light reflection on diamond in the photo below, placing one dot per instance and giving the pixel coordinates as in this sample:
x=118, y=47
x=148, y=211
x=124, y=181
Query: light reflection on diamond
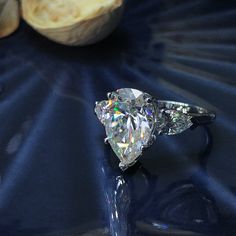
x=129, y=122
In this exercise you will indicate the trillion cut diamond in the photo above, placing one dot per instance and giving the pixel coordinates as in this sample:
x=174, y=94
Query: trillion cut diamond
x=129, y=120
x=172, y=122
x=101, y=111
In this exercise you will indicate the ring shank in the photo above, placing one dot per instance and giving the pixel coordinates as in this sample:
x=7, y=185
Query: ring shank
x=200, y=116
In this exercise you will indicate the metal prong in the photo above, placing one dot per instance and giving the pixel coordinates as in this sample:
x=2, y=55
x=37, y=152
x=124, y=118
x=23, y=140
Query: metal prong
x=96, y=103
x=143, y=148
x=148, y=100
x=123, y=167
x=106, y=140
x=160, y=132
x=154, y=138
x=109, y=95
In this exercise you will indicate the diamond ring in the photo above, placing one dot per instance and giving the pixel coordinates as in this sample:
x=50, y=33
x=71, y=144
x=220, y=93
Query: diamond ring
x=132, y=117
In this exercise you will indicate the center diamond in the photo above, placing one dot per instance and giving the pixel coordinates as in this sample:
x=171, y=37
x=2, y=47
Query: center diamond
x=129, y=119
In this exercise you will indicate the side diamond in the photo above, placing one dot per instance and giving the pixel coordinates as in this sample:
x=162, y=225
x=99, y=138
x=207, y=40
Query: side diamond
x=101, y=110
x=171, y=122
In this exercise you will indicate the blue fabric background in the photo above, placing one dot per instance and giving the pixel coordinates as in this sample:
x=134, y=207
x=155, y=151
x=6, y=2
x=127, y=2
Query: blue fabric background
x=57, y=176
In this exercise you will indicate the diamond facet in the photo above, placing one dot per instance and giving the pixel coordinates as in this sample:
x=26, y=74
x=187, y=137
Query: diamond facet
x=172, y=122
x=101, y=110
x=129, y=122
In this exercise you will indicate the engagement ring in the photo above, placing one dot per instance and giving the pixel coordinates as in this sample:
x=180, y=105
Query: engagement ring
x=132, y=118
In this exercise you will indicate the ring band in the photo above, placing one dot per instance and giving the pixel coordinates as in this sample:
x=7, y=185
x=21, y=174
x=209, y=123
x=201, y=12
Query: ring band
x=132, y=117
x=197, y=115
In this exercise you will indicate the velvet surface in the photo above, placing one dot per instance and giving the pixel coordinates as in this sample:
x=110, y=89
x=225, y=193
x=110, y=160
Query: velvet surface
x=57, y=176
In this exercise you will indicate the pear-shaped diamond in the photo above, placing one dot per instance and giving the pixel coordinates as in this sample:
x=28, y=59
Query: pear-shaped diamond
x=129, y=120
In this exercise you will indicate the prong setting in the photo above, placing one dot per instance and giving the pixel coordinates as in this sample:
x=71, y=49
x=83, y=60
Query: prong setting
x=148, y=100
x=106, y=140
x=124, y=167
x=143, y=148
x=154, y=138
x=110, y=95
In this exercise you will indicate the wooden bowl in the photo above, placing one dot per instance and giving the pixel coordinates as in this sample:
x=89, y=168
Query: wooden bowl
x=73, y=22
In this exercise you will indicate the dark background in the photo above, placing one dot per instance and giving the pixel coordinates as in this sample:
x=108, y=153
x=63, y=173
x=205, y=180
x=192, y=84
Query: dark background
x=57, y=176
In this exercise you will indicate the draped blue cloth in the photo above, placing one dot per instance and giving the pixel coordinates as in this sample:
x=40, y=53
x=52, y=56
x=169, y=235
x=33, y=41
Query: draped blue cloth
x=57, y=176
